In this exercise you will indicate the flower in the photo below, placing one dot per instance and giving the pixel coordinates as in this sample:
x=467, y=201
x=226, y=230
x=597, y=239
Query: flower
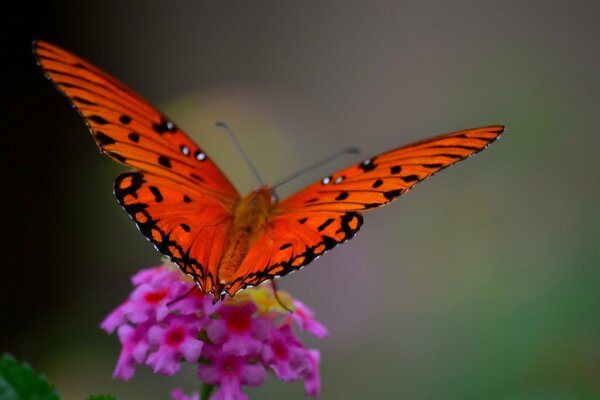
x=230, y=372
x=175, y=340
x=167, y=321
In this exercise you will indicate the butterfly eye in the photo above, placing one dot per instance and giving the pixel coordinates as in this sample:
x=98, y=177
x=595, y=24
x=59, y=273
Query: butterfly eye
x=274, y=198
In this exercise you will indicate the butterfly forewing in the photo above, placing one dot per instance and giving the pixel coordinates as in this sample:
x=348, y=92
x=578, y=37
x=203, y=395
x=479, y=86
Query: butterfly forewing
x=381, y=179
x=327, y=212
x=128, y=129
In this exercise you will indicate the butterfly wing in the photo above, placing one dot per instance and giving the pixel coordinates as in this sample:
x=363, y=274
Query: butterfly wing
x=327, y=212
x=178, y=197
x=129, y=130
x=188, y=226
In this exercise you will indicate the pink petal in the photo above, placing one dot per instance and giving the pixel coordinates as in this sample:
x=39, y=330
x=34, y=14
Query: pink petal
x=191, y=349
x=304, y=317
x=113, y=320
x=125, y=368
x=253, y=374
x=242, y=346
x=145, y=275
x=164, y=361
x=312, y=381
x=230, y=391
x=178, y=394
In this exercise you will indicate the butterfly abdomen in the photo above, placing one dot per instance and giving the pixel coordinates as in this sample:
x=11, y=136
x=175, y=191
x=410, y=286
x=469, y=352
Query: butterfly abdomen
x=250, y=219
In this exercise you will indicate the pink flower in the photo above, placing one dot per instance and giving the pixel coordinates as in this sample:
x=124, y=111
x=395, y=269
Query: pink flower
x=175, y=340
x=312, y=381
x=237, y=330
x=286, y=355
x=304, y=317
x=230, y=372
x=164, y=323
x=135, y=348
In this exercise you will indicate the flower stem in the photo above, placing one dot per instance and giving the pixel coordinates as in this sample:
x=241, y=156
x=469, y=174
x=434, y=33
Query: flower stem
x=206, y=391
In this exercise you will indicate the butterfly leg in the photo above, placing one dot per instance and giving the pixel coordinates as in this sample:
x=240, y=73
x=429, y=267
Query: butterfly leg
x=274, y=286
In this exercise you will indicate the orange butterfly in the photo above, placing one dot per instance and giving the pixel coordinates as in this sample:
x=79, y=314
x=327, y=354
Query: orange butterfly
x=183, y=203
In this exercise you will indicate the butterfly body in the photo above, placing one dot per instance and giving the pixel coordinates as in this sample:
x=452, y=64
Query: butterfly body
x=251, y=217
x=188, y=209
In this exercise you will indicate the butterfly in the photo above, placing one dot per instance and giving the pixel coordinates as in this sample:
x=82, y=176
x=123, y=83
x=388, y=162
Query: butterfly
x=191, y=212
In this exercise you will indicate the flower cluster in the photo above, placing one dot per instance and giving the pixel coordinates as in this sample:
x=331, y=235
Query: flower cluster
x=164, y=323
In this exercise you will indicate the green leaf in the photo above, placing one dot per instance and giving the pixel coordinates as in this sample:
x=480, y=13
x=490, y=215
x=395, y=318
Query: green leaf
x=18, y=381
x=102, y=397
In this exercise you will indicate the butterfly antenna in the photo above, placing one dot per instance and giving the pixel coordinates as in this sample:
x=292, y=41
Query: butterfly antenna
x=349, y=150
x=223, y=125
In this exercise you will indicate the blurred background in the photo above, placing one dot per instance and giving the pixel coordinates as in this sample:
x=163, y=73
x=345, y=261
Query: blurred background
x=482, y=283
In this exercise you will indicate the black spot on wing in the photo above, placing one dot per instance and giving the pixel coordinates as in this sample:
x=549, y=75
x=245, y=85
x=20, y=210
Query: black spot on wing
x=392, y=194
x=395, y=169
x=368, y=165
x=377, y=183
x=134, y=137
x=410, y=178
x=164, y=161
x=125, y=119
x=104, y=139
x=97, y=119
x=342, y=196
x=164, y=126
x=156, y=193
x=117, y=157
x=186, y=199
x=185, y=227
x=325, y=224
x=302, y=220
x=285, y=246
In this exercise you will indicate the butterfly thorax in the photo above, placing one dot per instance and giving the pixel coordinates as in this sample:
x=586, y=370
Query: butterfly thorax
x=249, y=220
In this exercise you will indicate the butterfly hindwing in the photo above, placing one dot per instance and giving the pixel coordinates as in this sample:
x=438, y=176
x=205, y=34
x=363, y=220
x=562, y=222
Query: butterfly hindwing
x=187, y=226
x=292, y=241
x=381, y=179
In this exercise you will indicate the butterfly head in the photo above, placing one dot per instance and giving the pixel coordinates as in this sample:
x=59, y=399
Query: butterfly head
x=264, y=196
